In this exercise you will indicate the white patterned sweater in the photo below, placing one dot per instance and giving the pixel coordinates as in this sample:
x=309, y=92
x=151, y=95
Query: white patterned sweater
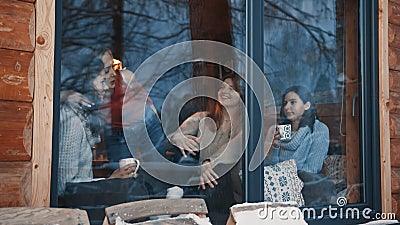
x=75, y=153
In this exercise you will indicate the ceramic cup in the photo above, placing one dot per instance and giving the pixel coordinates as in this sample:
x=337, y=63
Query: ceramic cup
x=123, y=162
x=285, y=131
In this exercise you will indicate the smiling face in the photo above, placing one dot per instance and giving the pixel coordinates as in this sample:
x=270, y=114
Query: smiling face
x=294, y=107
x=227, y=95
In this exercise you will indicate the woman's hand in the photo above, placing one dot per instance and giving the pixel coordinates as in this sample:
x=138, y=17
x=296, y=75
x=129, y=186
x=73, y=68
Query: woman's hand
x=75, y=99
x=276, y=142
x=208, y=176
x=126, y=171
x=185, y=142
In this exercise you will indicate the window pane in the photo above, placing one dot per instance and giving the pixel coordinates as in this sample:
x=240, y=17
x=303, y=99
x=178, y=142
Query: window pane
x=93, y=85
x=314, y=44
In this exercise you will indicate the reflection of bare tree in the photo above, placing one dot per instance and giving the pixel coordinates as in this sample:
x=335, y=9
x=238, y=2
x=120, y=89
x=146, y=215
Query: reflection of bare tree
x=136, y=29
x=316, y=33
x=130, y=25
x=301, y=45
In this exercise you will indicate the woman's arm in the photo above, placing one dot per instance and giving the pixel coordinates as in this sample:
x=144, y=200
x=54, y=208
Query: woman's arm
x=75, y=99
x=184, y=137
x=224, y=158
x=271, y=146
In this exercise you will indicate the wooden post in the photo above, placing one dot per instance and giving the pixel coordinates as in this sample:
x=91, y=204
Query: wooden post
x=383, y=106
x=43, y=102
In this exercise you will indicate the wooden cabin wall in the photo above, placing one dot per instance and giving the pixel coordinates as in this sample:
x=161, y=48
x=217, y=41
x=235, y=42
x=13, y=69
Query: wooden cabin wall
x=393, y=105
x=26, y=91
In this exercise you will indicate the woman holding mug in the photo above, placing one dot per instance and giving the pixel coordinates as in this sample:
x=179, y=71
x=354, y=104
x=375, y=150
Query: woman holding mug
x=79, y=123
x=309, y=140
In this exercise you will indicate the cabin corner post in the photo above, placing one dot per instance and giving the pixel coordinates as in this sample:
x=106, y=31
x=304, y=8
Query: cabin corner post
x=383, y=105
x=43, y=102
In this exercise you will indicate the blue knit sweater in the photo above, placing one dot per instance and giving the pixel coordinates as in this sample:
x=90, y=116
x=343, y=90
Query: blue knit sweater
x=309, y=149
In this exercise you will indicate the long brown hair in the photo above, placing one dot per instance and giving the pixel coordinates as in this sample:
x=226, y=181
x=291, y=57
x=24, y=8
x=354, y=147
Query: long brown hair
x=214, y=108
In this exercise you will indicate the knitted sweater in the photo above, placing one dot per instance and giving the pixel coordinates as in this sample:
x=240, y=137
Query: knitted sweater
x=76, y=141
x=309, y=149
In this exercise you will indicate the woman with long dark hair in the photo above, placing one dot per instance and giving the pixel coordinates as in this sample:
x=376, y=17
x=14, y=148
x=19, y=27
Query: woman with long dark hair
x=309, y=140
x=79, y=123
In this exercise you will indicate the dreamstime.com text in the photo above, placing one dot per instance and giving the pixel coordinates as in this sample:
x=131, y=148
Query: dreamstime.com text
x=331, y=212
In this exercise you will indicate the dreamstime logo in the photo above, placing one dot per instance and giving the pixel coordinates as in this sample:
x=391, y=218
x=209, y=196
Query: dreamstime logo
x=150, y=71
x=341, y=201
x=290, y=212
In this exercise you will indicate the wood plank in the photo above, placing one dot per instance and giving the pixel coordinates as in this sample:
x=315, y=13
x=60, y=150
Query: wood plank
x=17, y=25
x=394, y=125
x=396, y=204
x=394, y=58
x=16, y=75
x=153, y=207
x=394, y=35
x=171, y=221
x=395, y=152
x=15, y=184
x=394, y=1
x=395, y=177
x=43, y=103
x=394, y=81
x=394, y=103
x=393, y=12
x=30, y=215
x=15, y=131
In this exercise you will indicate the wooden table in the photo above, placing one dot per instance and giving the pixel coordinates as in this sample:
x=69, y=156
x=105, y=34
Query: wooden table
x=33, y=215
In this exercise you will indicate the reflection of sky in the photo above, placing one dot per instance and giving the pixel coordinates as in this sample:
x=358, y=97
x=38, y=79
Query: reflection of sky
x=292, y=56
x=148, y=26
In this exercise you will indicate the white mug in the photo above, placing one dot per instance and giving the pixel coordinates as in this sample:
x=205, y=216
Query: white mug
x=123, y=162
x=285, y=131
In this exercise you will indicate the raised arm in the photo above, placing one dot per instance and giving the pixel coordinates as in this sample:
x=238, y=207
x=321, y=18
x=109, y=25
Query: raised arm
x=185, y=136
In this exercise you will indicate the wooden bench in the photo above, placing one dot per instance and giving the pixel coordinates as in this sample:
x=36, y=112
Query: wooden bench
x=33, y=215
x=156, y=207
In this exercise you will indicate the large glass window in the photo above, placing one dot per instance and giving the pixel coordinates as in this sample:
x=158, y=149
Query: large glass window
x=305, y=46
x=133, y=109
x=312, y=62
x=103, y=45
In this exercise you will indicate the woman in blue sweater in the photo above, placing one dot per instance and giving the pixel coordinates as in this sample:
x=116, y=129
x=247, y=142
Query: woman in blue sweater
x=309, y=141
